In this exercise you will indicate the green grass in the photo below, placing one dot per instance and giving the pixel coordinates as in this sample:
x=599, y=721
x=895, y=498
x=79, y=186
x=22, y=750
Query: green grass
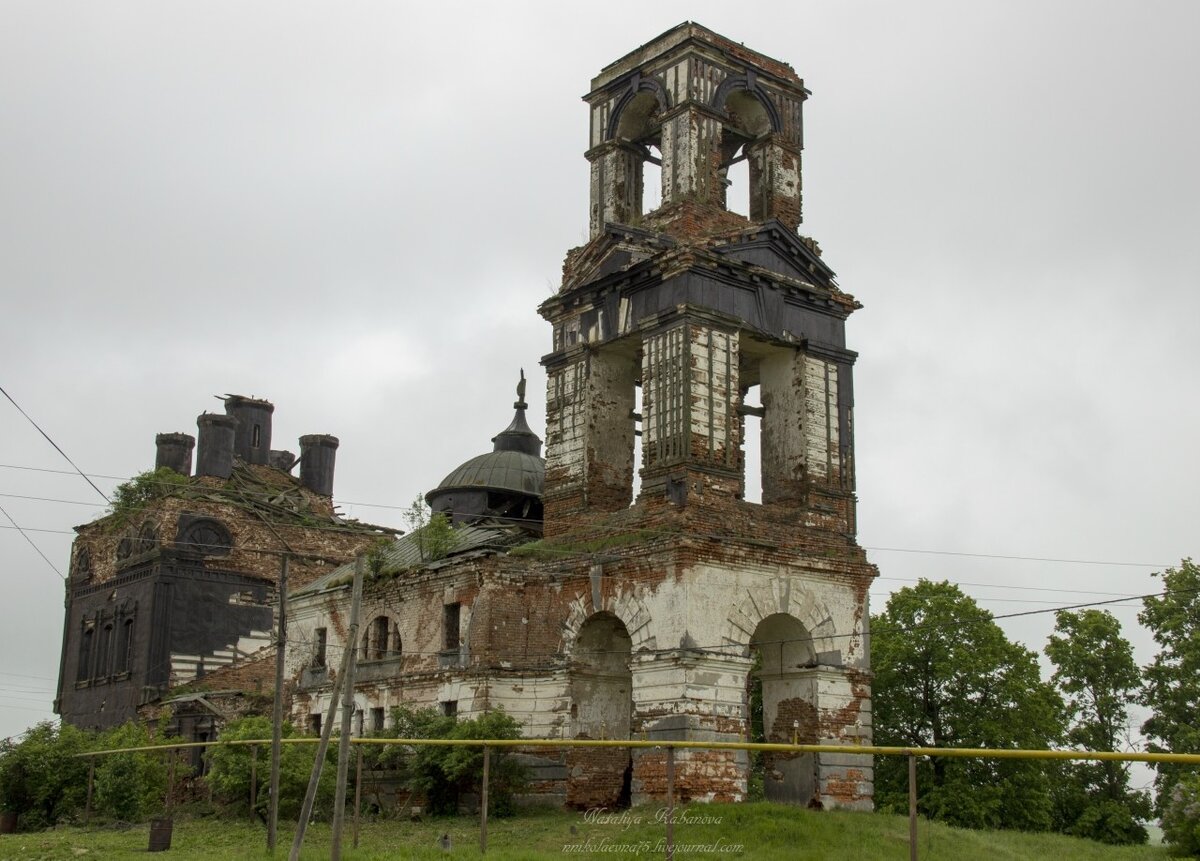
x=765, y=830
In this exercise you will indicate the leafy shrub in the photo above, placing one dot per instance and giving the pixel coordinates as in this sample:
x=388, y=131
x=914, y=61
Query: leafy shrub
x=443, y=774
x=131, y=496
x=130, y=787
x=229, y=774
x=41, y=779
x=1181, y=817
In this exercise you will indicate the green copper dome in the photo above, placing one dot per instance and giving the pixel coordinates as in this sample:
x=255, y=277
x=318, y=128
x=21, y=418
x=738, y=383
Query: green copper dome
x=512, y=471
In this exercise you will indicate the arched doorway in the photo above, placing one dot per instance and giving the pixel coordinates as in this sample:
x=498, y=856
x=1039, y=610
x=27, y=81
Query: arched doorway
x=781, y=697
x=601, y=696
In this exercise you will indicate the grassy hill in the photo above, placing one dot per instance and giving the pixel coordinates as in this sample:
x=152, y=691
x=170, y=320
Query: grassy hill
x=764, y=831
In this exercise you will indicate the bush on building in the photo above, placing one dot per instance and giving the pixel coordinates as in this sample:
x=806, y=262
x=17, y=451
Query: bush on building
x=444, y=776
x=433, y=534
x=230, y=771
x=131, y=496
x=1181, y=817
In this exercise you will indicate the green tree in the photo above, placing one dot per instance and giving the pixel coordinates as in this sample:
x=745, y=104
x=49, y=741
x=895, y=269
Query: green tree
x=443, y=774
x=41, y=778
x=1172, y=681
x=433, y=534
x=1095, y=670
x=946, y=676
x=229, y=772
x=130, y=787
x=1181, y=816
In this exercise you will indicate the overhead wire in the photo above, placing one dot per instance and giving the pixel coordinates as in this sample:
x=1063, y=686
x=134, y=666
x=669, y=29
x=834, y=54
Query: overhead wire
x=53, y=567
x=984, y=618
x=668, y=532
x=53, y=443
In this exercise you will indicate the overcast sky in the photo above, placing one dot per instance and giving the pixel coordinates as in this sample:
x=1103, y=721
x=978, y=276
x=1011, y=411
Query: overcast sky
x=354, y=209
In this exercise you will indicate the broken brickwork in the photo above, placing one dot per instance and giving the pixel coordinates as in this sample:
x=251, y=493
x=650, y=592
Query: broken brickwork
x=646, y=617
x=169, y=591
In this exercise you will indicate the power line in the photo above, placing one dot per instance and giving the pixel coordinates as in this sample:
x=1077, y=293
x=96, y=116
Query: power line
x=1013, y=558
x=659, y=531
x=1010, y=586
x=1003, y=556
x=53, y=567
x=53, y=443
x=294, y=640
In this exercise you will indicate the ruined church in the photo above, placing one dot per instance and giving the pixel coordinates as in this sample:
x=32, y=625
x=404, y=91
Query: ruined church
x=654, y=616
x=590, y=605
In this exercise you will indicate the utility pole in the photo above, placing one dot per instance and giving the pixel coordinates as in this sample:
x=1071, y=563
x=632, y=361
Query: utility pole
x=339, y=795
x=277, y=715
x=315, y=777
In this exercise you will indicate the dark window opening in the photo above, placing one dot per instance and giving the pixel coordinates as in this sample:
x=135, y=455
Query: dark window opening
x=451, y=625
x=379, y=632
x=314, y=723
x=321, y=640
x=84, y=671
x=104, y=652
x=255, y=436
x=199, y=760
x=125, y=648
x=450, y=708
x=377, y=720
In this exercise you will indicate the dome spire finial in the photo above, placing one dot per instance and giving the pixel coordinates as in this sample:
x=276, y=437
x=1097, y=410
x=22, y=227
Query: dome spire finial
x=517, y=436
x=520, y=404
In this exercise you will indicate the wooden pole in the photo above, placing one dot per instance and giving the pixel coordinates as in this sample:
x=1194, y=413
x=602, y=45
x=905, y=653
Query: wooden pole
x=277, y=714
x=343, y=761
x=310, y=796
x=483, y=800
x=357, y=793
x=253, y=778
x=912, y=808
x=87, y=808
x=670, y=803
x=170, y=781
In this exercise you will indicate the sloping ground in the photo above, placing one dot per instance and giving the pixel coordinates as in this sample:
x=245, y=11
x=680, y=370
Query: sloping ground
x=764, y=831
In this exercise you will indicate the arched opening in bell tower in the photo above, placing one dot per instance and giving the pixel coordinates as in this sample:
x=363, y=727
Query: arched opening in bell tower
x=748, y=124
x=601, y=707
x=780, y=704
x=640, y=127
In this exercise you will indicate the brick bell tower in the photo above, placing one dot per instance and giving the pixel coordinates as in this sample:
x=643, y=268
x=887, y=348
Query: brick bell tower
x=697, y=307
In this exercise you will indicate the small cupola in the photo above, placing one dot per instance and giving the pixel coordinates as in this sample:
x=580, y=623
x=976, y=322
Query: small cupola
x=503, y=484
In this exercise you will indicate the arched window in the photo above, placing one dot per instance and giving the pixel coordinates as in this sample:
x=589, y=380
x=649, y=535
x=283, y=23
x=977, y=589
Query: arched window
x=380, y=640
x=84, y=671
x=82, y=569
x=147, y=538
x=205, y=536
x=104, y=651
x=124, y=656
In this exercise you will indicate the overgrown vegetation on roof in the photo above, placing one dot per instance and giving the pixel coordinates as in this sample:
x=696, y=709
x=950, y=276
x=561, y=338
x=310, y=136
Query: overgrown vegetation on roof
x=433, y=534
x=131, y=496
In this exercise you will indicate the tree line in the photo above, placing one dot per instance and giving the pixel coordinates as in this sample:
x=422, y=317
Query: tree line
x=945, y=675
x=44, y=774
